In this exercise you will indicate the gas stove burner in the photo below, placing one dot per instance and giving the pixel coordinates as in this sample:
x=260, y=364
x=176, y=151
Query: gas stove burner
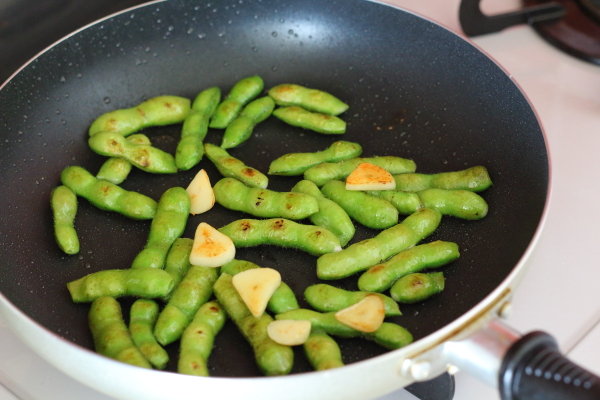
x=571, y=25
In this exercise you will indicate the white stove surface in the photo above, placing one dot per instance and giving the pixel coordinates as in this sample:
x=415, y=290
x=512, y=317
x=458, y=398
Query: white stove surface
x=561, y=289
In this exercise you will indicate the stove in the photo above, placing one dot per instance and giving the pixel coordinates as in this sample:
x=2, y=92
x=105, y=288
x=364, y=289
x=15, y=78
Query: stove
x=558, y=293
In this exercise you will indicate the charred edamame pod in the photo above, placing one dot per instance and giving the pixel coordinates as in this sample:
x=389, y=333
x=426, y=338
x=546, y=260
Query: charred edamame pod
x=288, y=94
x=475, y=179
x=312, y=239
x=63, y=203
x=265, y=203
x=241, y=93
x=317, y=122
x=327, y=298
x=116, y=169
x=142, y=316
x=240, y=129
x=405, y=202
x=232, y=167
x=458, y=203
x=296, y=163
x=417, y=287
x=177, y=263
x=322, y=351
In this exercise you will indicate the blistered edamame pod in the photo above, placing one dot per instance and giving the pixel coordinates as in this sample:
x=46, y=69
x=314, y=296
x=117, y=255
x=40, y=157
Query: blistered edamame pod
x=382, y=276
x=475, y=179
x=116, y=169
x=167, y=225
x=160, y=110
x=198, y=339
x=110, y=334
x=330, y=215
x=142, y=316
x=312, y=239
x=325, y=172
x=322, y=351
x=296, y=163
x=146, y=157
x=288, y=94
x=108, y=196
x=370, y=211
x=232, y=167
x=240, y=129
x=177, y=263
x=145, y=282
x=417, y=287
x=241, y=93
x=63, y=203
x=327, y=298
x=458, y=203
x=264, y=203
x=194, y=290
x=282, y=300
x=317, y=122
x=360, y=256
x=190, y=148
x=389, y=335
x=405, y=202
x=271, y=357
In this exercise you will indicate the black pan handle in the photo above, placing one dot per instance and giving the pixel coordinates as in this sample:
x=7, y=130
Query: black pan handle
x=534, y=369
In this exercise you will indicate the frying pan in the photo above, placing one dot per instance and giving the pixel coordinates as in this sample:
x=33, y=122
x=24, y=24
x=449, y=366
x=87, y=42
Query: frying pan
x=414, y=89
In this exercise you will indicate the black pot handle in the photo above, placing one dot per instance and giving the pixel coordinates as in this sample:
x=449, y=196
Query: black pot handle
x=534, y=369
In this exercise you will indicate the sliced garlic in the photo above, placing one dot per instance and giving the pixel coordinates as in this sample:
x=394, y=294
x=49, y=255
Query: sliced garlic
x=211, y=248
x=289, y=332
x=256, y=286
x=370, y=177
x=366, y=316
x=202, y=197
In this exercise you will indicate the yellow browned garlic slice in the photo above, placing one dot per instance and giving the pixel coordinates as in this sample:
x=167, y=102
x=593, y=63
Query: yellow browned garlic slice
x=368, y=176
x=202, y=197
x=211, y=248
x=256, y=286
x=289, y=332
x=366, y=316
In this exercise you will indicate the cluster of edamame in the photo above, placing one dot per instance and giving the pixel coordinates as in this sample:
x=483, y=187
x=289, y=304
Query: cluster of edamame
x=178, y=301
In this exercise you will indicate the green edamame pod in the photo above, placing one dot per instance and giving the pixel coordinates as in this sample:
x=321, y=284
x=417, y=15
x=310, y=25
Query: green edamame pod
x=146, y=157
x=370, y=211
x=142, y=316
x=167, y=225
x=190, y=148
x=463, y=204
x=242, y=92
x=381, y=277
x=475, y=179
x=231, y=167
x=360, y=256
x=317, y=122
x=417, y=287
x=405, y=202
x=327, y=298
x=198, y=339
x=282, y=300
x=312, y=239
x=107, y=196
x=271, y=357
x=325, y=172
x=116, y=169
x=240, y=129
x=265, y=203
x=64, y=208
x=194, y=290
x=330, y=215
x=146, y=282
x=110, y=334
x=296, y=163
x=322, y=351
x=177, y=263
x=157, y=111
x=288, y=94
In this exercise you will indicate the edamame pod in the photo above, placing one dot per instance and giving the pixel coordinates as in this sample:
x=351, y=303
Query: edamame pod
x=325, y=172
x=142, y=316
x=417, y=287
x=63, y=203
x=322, y=351
x=405, y=202
x=110, y=334
x=317, y=122
x=360, y=256
x=281, y=232
x=146, y=157
x=288, y=94
x=231, y=167
x=240, y=129
x=116, y=169
x=190, y=148
x=145, y=282
x=242, y=92
x=475, y=179
x=327, y=298
x=330, y=215
x=463, y=204
x=265, y=203
x=167, y=225
x=271, y=357
x=296, y=163
x=365, y=209
x=177, y=263
x=108, y=196
x=198, y=339
x=160, y=110
x=194, y=290
x=381, y=277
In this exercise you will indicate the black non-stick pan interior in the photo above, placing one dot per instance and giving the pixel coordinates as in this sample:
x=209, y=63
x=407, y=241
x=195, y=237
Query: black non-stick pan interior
x=414, y=89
